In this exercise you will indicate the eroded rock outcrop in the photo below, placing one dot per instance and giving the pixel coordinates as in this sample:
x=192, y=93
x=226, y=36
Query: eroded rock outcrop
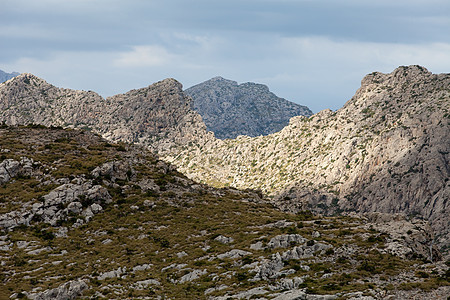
x=67, y=291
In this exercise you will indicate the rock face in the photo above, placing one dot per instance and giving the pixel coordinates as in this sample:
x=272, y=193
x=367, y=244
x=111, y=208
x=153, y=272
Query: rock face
x=386, y=150
x=230, y=109
x=158, y=116
x=7, y=76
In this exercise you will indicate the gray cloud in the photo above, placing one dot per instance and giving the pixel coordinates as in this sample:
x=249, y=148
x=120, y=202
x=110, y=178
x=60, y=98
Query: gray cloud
x=311, y=52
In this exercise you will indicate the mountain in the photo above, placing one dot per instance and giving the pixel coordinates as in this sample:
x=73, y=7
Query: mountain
x=158, y=116
x=81, y=217
x=386, y=150
x=230, y=109
x=6, y=76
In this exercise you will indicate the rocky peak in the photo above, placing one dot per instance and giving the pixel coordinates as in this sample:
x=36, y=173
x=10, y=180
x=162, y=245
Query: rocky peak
x=222, y=80
x=158, y=116
x=400, y=76
x=230, y=109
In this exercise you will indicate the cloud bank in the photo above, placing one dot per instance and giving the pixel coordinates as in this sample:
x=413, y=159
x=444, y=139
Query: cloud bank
x=311, y=52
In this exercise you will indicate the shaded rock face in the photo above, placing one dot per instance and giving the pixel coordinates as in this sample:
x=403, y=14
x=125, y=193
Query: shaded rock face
x=158, y=116
x=386, y=150
x=230, y=109
x=406, y=238
x=7, y=76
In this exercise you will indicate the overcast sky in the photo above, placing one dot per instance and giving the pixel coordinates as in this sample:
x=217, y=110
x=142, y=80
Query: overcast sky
x=312, y=52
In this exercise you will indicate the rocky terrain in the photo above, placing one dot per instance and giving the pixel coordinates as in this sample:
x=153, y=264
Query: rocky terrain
x=6, y=76
x=84, y=218
x=158, y=116
x=230, y=109
x=386, y=150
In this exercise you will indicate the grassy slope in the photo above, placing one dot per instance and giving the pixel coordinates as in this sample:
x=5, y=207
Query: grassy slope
x=182, y=219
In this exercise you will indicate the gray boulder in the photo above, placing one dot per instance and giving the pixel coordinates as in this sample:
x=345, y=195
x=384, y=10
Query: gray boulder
x=66, y=291
x=8, y=169
x=285, y=240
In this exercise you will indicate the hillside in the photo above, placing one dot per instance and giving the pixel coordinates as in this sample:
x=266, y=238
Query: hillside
x=84, y=218
x=230, y=109
x=386, y=150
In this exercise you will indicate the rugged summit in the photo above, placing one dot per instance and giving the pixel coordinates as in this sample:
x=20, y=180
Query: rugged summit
x=230, y=109
x=386, y=150
x=158, y=116
x=6, y=76
x=84, y=218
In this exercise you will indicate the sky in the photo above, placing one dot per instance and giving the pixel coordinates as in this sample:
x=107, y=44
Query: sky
x=312, y=52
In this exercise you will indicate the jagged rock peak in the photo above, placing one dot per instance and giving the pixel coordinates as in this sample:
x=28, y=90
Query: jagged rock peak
x=168, y=82
x=404, y=85
x=27, y=78
x=158, y=116
x=413, y=72
x=221, y=79
x=232, y=83
x=230, y=109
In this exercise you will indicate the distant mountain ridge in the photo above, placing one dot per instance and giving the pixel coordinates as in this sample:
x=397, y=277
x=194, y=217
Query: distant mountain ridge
x=230, y=109
x=7, y=76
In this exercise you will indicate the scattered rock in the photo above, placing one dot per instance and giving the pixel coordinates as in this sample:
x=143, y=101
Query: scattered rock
x=143, y=284
x=234, y=254
x=224, y=240
x=192, y=276
x=285, y=240
x=66, y=291
x=8, y=169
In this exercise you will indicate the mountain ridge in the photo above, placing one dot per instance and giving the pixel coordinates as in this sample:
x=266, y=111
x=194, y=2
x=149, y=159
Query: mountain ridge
x=144, y=119
x=4, y=76
x=230, y=109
